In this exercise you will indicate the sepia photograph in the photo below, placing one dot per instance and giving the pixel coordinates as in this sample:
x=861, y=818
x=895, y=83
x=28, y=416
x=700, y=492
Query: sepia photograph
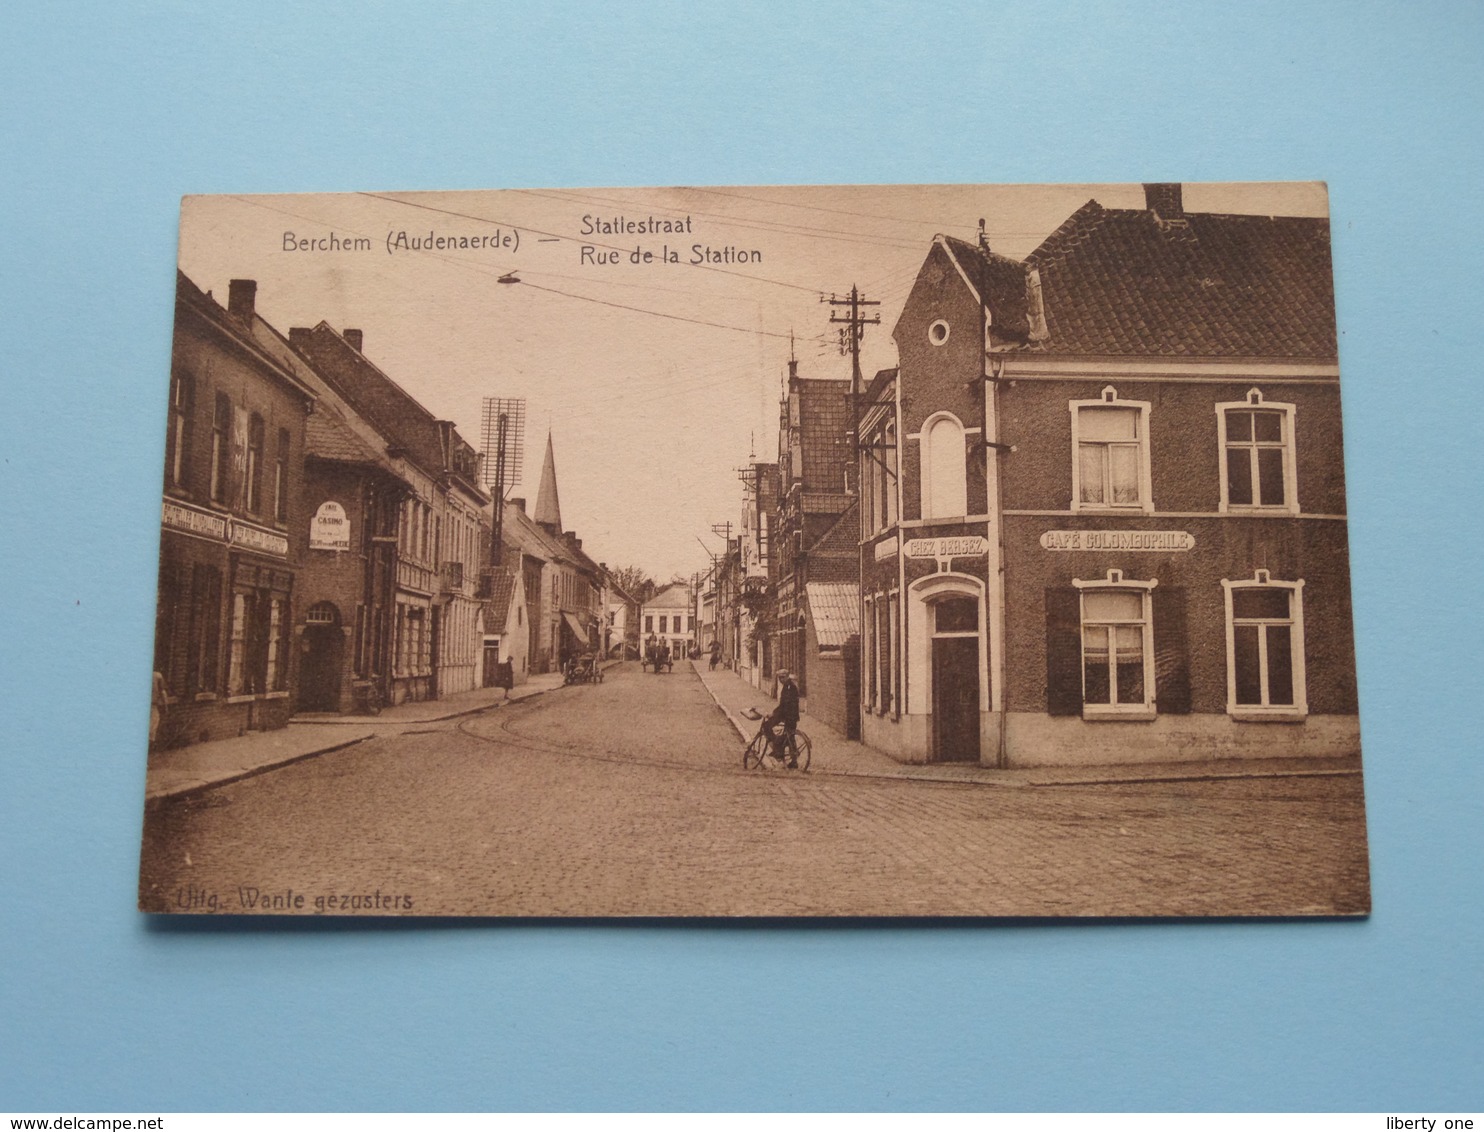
x=765, y=552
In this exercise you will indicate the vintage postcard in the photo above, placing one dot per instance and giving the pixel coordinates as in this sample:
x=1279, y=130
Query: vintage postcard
x=889, y=551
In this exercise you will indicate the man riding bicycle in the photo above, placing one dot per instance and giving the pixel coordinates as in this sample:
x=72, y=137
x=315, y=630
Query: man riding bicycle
x=785, y=714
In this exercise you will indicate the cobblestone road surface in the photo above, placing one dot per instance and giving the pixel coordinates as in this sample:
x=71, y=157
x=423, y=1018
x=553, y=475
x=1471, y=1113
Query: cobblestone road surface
x=629, y=798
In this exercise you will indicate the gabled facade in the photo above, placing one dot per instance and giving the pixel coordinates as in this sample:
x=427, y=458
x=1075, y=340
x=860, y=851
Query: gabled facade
x=1109, y=524
x=503, y=621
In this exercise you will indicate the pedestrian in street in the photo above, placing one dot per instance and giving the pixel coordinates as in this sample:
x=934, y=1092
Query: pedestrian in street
x=159, y=698
x=715, y=654
x=786, y=715
x=505, y=676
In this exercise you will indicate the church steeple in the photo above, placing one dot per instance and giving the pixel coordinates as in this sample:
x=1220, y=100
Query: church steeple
x=548, y=507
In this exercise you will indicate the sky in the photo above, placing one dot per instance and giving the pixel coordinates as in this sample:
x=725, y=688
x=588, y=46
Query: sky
x=656, y=379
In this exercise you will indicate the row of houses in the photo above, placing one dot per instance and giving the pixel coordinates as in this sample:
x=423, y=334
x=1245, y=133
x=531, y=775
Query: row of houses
x=1095, y=514
x=326, y=542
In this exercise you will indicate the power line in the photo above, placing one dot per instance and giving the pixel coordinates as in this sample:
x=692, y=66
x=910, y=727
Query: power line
x=536, y=286
x=942, y=225
x=783, y=227
x=656, y=314
x=576, y=240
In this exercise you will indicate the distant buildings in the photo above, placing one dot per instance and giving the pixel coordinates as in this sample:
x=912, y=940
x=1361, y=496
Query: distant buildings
x=670, y=617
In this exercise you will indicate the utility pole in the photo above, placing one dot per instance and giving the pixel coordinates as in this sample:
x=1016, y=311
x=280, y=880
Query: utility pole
x=854, y=321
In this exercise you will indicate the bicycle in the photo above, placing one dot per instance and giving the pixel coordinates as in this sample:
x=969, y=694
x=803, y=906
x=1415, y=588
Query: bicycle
x=764, y=747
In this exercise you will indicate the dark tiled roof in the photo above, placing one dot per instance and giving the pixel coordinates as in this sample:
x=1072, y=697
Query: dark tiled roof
x=1001, y=284
x=824, y=422
x=327, y=437
x=1124, y=282
x=835, y=555
x=391, y=409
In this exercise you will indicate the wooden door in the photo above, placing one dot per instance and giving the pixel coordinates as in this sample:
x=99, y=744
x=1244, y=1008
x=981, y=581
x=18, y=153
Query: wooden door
x=956, y=699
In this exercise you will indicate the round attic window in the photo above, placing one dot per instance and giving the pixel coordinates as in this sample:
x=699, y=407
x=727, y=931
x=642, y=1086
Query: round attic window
x=938, y=332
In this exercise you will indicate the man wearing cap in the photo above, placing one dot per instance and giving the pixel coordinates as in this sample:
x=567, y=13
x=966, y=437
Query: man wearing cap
x=787, y=714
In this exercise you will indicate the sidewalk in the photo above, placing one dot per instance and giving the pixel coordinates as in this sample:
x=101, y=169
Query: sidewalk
x=835, y=754
x=200, y=766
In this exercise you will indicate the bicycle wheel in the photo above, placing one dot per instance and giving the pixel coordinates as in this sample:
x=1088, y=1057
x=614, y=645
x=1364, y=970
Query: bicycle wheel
x=801, y=749
x=752, y=757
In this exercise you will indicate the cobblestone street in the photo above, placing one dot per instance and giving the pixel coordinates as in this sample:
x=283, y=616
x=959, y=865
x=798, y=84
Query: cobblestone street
x=629, y=798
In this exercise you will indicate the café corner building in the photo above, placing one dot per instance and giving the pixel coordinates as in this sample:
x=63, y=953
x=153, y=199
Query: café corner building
x=1104, y=501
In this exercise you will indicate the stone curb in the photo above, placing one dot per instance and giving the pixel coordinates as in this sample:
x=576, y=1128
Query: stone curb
x=153, y=800
x=157, y=799
x=1012, y=779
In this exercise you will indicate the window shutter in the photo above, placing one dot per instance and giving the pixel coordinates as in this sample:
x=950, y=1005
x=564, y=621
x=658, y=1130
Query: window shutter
x=1063, y=652
x=1171, y=653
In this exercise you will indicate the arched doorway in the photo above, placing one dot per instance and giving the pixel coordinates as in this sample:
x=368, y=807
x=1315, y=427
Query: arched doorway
x=955, y=678
x=323, y=648
x=950, y=662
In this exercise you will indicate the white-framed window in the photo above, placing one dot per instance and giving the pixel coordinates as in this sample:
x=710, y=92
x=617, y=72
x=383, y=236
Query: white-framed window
x=945, y=489
x=1258, y=469
x=1265, y=677
x=1117, y=647
x=1110, y=454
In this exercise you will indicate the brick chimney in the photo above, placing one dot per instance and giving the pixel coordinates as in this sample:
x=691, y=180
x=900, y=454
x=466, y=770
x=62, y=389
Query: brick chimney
x=241, y=297
x=1164, y=201
x=520, y=502
x=354, y=337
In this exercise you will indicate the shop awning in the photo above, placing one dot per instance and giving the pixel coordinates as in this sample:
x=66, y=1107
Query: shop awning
x=577, y=628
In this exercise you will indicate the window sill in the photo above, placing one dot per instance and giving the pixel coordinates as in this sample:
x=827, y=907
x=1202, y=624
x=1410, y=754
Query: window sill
x=276, y=695
x=1112, y=509
x=1258, y=509
x=205, y=697
x=1267, y=715
x=1132, y=714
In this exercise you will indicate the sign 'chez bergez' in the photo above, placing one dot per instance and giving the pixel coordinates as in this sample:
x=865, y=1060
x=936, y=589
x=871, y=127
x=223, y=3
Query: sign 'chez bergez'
x=492, y=522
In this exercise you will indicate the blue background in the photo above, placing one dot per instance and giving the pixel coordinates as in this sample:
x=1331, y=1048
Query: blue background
x=109, y=112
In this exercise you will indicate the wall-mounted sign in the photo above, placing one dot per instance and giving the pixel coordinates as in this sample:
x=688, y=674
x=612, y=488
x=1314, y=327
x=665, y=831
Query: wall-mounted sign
x=1117, y=540
x=256, y=538
x=963, y=546
x=330, y=528
x=216, y=527
x=193, y=520
x=886, y=548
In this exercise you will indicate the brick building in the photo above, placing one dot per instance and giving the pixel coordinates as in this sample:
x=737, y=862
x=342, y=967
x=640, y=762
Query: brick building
x=234, y=533
x=436, y=628
x=1111, y=521
x=815, y=475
